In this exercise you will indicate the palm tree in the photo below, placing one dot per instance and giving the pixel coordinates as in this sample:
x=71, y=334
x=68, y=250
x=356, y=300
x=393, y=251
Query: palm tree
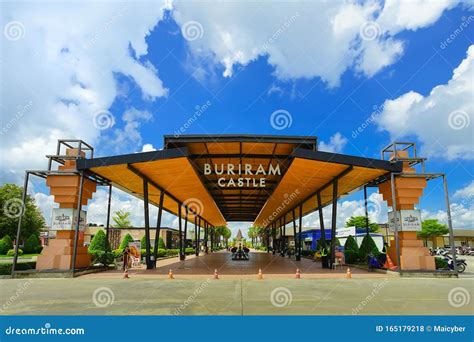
x=121, y=219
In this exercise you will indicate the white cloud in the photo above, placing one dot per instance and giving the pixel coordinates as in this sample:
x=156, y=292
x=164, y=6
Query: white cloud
x=442, y=120
x=465, y=193
x=336, y=144
x=63, y=71
x=148, y=148
x=307, y=39
x=462, y=215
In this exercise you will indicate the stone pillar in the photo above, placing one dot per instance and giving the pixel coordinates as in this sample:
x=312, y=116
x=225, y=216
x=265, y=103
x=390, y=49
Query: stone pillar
x=413, y=255
x=65, y=189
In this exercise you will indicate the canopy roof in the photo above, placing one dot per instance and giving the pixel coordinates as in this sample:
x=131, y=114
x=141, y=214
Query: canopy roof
x=239, y=177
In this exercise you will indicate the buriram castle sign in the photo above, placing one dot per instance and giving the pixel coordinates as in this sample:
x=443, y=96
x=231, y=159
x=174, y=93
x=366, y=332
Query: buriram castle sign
x=239, y=175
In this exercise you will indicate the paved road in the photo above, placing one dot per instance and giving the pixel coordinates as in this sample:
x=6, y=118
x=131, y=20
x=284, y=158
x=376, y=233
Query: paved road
x=385, y=296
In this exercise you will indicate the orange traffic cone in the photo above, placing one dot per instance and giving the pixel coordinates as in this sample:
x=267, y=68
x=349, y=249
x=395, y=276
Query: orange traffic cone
x=216, y=275
x=170, y=274
x=389, y=264
x=125, y=274
x=298, y=274
x=260, y=274
x=348, y=273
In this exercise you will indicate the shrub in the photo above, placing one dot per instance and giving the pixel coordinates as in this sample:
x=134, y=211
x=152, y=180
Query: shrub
x=351, y=244
x=441, y=264
x=171, y=252
x=189, y=250
x=143, y=251
x=161, y=252
x=6, y=268
x=11, y=252
x=99, y=242
x=31, y=244
x=39, y=249
x=6, y=244
x=366, y=247
x=351, y=256
x=161, y=244
x=322, y=243
x=126, y=240
x=117, y=253
x=102, y=257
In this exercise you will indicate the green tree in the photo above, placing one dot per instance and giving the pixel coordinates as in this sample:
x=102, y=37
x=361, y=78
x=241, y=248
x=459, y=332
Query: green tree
x=10, y=211
x=431, y=228
x=121, y=219
x=360, y=222
x=6, y=244
x=351, y=244
x=367, y=246
x=32, y=244
x=98, y=243
x=126, y=239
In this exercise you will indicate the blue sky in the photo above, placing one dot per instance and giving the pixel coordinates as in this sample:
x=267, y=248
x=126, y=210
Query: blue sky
x=153, y=82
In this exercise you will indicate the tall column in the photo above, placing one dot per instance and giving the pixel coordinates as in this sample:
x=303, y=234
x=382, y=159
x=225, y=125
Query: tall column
x=158, y=226
x=146, y=208
x=334, y=222
x=298, y=257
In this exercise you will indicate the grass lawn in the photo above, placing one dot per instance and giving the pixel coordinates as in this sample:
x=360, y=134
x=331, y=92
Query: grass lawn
x=24, y=256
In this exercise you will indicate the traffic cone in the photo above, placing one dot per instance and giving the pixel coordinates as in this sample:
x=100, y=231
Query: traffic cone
x=389, y=264
x=216, y=275
x=298, y=274
x=125, y=274
x=260, y=275
x=348, y=273
x=170, y=274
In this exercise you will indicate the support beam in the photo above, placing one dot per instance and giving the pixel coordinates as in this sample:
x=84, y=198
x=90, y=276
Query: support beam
x=298, y=256
x=107, y=225
x=158, y=227
x=394, y=208
x=294, y=233
x=198, y=237
x=76, y=233
x=180, y=230
x=146, y=213
x=20, y=219
x=185, y=231
x=366, y=211
x=321, y=219
x=333, y=222
x=450, y=224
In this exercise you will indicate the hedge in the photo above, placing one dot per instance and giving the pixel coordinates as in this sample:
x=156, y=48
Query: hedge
x=441, y=264
x=351, y=256
x=32, y=244
x=351, y=244
x=6, y=244
x=126, y=240
x=366, y=247
x=6, y=268
x=11, y=252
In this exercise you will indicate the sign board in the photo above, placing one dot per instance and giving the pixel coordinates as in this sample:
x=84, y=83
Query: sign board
x=406, y=220
x=345, y=232
x=135, y=249
x=66, y=219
